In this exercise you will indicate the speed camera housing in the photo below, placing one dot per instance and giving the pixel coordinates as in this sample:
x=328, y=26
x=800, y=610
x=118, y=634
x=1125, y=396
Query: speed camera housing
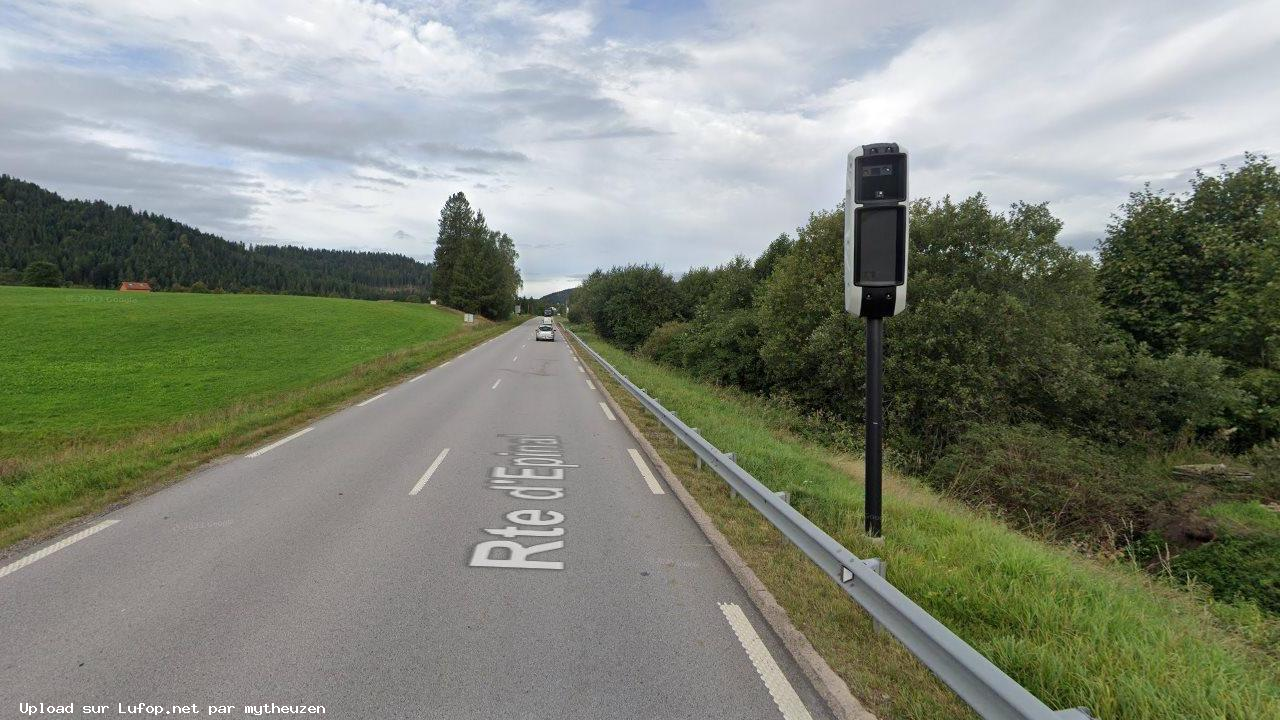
x=876, y=231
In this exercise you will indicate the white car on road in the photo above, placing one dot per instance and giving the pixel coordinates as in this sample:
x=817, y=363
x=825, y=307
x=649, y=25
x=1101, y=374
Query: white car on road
x=545, y=331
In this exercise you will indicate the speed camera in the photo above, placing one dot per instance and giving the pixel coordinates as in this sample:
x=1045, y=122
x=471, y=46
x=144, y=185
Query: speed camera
x=876, y=228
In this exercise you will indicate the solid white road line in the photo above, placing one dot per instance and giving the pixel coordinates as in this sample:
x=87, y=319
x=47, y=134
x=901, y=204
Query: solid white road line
x=366, y=402
x=649, y=479
x=779, y=687
x=278, y=443
x=46, y=552
x=495, y=385
x=593, y=387
x=419, y=377
x=607, y=412
x=430, y=471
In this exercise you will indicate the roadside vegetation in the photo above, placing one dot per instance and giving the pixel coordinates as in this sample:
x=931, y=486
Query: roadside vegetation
x=107, y=393
x=1076, y=629
x=1128, y=406
x=475, y=265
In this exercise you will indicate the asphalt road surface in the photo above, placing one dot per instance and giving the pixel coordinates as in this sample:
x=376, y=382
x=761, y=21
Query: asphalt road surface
x=482, y=541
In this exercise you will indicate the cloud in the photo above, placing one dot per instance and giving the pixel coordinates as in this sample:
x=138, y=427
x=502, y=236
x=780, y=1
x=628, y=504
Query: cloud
x=607, y=132
x=447, y=150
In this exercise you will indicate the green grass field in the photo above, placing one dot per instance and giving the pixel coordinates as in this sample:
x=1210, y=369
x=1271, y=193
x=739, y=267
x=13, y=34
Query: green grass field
x=86, y=364
x=1075, y=630
x=106, y=393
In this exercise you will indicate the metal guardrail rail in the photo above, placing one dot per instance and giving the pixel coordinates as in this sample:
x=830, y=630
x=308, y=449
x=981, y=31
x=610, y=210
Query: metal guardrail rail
x=983, y=686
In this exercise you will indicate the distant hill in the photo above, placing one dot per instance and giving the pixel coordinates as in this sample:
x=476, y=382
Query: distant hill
x=558, y=298
x=100, y=245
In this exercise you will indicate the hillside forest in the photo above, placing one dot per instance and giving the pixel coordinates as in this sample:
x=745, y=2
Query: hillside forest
x=46, y=240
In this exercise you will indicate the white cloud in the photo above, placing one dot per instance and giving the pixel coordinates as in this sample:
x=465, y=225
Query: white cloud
x=594, y=138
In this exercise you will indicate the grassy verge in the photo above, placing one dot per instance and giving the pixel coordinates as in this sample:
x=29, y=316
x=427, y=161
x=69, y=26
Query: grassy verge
x=1074, y=631
x=72, y=464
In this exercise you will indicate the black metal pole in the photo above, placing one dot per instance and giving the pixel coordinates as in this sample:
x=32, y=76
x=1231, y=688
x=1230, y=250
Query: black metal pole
x=875, y=358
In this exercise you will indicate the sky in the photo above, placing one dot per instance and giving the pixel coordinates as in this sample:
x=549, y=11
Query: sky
x=612, y=131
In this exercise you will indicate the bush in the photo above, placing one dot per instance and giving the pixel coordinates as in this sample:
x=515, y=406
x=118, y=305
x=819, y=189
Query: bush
x=1265, y=459
x=1049, y=481
x=1262, y=413
x=626, y=304
x=42, y=274
x=1157, y=400
x=666, y=344
x=199, y=287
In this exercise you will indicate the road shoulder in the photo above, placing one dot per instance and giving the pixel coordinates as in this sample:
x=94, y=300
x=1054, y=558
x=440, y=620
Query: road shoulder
x=833, y=690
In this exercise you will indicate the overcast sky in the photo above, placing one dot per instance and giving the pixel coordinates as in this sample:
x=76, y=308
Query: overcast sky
x=608, y=132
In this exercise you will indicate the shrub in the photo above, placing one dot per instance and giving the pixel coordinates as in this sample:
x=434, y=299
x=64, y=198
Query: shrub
x=1049, y=481
x=666, y=344
x=42, y=274
x=625, y=304
x=1265, y=459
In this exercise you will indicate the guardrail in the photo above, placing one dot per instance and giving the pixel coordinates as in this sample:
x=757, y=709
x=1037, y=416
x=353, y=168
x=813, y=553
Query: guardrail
x=979, y=683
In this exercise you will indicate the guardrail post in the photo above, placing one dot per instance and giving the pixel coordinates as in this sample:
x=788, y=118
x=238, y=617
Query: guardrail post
x=734, y=457
x=696, y=456
x=878, y=566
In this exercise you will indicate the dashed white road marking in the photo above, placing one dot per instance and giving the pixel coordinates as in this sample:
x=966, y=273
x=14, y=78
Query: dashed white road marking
x=446, y=362
x=46, y=552
x=419, y=377
x=515, y=358
x=649, y=479
x=495, y=385
x=279, y=442
x=366, y=402
x=580, y=369
x=593, y=387
x=607, y=412
x=784, y=696
x=435, y=464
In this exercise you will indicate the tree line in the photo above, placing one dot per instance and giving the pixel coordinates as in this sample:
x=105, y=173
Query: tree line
x=475, y=265
x=95, y=244
x=1024, y=376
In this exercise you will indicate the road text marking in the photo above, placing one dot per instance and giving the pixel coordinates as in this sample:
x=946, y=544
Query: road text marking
x=366, y=402
x=649, y=479
x=533, y=463
x=607, y=412
x=278, y=443
x=779, y=687
x=430, y=471
x=46, y=552
x=495, y=385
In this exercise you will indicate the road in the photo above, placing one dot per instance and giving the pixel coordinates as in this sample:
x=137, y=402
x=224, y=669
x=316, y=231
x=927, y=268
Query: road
x=481, y=541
